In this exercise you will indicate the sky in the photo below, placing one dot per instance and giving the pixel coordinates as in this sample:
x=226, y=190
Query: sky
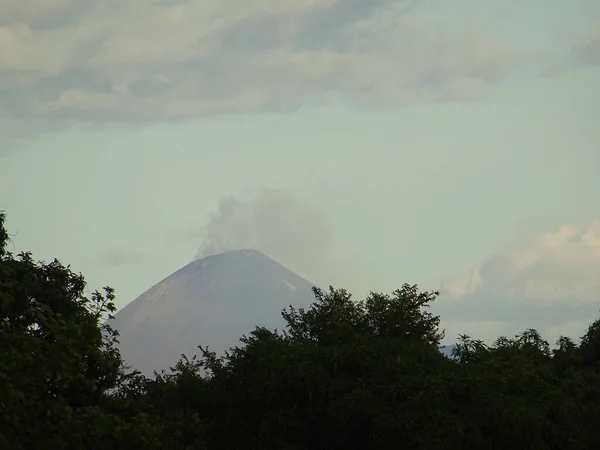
x=362, y=144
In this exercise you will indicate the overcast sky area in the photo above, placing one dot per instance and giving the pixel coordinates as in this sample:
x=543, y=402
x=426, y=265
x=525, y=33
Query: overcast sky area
x=364, y=144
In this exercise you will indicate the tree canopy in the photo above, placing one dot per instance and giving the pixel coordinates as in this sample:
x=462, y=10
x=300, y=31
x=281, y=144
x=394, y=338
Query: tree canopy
x=343, y=374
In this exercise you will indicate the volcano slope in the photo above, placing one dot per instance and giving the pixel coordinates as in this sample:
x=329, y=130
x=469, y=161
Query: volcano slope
x=209, y=302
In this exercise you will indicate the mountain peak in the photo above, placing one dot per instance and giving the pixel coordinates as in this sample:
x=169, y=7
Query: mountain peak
x=211, y=301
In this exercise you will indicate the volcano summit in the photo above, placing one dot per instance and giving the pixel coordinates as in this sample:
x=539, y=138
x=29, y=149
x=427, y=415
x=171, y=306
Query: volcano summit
x=209, y=302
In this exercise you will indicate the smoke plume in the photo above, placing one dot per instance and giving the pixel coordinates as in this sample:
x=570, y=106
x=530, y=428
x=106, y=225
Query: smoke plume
x=292, y=230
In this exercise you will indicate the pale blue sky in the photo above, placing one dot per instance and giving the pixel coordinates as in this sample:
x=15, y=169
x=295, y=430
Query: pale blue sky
x=426, y=148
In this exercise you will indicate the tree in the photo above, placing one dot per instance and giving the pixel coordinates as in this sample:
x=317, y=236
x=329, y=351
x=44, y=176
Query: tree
x=343, y=374
x=58, y=363
x=368, y=374
x=402, y=316
x=590, y=346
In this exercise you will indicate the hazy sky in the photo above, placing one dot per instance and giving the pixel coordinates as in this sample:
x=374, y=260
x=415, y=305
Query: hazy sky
x=364, y=144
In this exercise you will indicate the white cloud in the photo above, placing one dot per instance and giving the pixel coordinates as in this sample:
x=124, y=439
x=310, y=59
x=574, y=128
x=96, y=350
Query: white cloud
x=559, y=267
x=141, y=59
x=548, y=281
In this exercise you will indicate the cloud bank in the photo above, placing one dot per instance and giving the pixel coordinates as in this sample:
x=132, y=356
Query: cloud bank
x=151, y=60
x=549, y=281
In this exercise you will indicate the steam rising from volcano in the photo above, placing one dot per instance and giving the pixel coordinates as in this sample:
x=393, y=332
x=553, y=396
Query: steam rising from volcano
x=287, y=227
x=276, y=222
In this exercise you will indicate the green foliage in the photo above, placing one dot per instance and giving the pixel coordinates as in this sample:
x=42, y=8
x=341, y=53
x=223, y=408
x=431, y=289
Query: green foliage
x=57, y=362
x=342, y=374
x=590, y=346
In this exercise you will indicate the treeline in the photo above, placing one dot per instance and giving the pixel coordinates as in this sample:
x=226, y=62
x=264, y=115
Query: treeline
x=343, y=374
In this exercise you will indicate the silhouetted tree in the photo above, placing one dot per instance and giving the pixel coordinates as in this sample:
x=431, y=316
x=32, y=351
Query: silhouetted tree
x=58, y=363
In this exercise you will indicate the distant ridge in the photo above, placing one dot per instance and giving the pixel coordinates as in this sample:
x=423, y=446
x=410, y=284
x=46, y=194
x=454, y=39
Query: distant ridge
x=211, y=301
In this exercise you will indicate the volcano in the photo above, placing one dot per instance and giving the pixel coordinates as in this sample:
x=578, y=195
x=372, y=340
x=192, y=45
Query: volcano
x=210, y=302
